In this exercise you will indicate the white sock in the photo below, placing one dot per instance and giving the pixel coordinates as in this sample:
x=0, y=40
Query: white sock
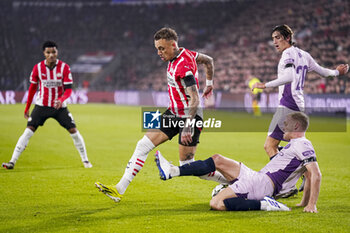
x=135, y=164
x=80, y=145
x=214, y=176
x=263, y=205
x=174, y=171
x=21, y=144
x=186, y=161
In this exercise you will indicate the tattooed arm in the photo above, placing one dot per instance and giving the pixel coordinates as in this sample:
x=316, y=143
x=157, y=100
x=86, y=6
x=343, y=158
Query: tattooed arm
x=208, y=63
x=192, y=91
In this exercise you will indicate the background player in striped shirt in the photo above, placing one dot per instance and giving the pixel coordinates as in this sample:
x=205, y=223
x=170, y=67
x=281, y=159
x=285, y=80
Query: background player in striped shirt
x=292, y=69
x=55, y=85
x=249, y=190
x=184, y=105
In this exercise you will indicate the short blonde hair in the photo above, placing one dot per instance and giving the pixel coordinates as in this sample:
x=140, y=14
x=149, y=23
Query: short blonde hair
x=301, y=118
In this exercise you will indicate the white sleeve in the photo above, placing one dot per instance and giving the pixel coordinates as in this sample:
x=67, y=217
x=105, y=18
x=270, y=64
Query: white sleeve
x=313, y=66
x=286, y=77
x=304, y=151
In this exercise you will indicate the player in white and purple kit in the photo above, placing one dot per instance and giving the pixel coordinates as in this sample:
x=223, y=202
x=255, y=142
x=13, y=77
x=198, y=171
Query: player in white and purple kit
x=250, y=190
x=292, y=69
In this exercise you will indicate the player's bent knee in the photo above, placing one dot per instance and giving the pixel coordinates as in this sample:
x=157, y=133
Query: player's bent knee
x=216, y=157
x=218, y=160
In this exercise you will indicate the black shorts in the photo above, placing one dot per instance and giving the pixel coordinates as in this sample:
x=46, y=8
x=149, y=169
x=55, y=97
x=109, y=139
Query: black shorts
x=172, y=130
x=41, y=113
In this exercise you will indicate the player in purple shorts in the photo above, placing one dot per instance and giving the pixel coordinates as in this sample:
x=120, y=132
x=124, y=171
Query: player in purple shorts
x=292, y=69
x=250, y=190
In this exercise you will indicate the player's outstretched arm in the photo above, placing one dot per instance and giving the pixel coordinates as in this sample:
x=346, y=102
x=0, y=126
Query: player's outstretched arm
x=285, y=77
x=315, y=184
x=208, y=63
x=343, y=69
x=324, y=72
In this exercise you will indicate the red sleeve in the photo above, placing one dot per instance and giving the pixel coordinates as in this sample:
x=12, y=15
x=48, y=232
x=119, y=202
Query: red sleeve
x=185, y=69
x=31, y=93
x=66, y=94
x=67, y=75
x=188, y=65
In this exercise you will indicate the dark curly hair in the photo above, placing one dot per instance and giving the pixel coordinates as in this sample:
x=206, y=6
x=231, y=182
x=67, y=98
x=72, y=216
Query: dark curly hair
x=166, y=33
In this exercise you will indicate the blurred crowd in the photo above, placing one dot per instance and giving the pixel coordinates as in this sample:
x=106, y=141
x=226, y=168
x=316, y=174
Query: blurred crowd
x=237, y=34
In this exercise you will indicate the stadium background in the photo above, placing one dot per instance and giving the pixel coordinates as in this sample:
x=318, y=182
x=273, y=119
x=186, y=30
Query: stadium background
x=109, y=46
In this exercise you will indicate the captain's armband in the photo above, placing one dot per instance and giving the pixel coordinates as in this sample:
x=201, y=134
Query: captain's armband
x=309, y=160
x=189, y=80
x=289, y=65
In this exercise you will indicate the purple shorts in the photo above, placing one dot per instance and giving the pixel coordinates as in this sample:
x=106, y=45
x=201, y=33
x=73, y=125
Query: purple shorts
x=252, y=185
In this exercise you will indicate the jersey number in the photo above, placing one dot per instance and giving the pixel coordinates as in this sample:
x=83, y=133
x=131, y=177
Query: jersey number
x=301, y=70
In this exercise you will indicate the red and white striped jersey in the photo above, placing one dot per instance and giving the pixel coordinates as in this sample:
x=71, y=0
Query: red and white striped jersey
x=51, y=82
x=183, y=65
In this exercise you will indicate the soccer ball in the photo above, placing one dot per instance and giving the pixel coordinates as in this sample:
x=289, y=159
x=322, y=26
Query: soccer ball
x=218, y=189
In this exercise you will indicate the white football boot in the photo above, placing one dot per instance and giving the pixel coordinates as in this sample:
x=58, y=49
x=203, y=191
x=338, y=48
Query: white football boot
x=87, y=164
x=270, y=204
x=163, y=166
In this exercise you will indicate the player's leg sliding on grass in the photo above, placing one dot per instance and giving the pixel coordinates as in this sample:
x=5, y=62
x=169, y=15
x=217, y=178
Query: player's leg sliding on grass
x=278, y=176
x=227, y=199
x=187, y=156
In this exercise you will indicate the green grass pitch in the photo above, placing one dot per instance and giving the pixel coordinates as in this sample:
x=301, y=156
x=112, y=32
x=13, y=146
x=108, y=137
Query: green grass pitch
x=50, y=191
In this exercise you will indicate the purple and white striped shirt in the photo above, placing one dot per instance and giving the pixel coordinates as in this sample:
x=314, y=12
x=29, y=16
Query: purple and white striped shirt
x=289, y=164
x=291, y=82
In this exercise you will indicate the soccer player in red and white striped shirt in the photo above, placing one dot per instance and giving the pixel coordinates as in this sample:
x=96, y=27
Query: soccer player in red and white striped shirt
x=183, y=87
x=55, y=86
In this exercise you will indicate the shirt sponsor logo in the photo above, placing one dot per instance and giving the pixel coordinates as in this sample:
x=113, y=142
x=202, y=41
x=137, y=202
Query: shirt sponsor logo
x=51, y=83
x=308, y=153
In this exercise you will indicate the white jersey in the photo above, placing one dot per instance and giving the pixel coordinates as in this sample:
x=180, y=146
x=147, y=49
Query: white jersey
x=289, y=164
x=291, y=94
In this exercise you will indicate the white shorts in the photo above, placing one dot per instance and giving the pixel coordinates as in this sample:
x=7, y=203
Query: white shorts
x=251, y=184
x=277, y=122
